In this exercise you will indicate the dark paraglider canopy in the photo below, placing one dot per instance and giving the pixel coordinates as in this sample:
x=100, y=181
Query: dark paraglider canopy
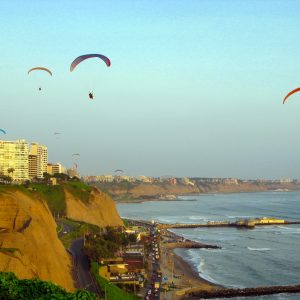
x=81, y=58
x=3, y=131
x=291, y=93
x=56, y=133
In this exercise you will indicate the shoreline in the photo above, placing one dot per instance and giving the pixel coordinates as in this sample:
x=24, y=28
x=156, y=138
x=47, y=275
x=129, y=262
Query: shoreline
x=179, y=271
x=210, y=193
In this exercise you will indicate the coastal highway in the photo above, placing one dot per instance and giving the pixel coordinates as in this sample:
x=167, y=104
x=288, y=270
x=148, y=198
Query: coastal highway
x=81, y=266
x=66, y=228
x=84, y=278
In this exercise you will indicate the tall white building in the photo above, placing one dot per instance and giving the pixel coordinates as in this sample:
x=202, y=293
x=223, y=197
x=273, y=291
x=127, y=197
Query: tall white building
x=38, y=160
x=14, y=159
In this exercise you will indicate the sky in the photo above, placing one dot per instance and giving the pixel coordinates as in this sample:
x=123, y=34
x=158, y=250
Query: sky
x=195, y=87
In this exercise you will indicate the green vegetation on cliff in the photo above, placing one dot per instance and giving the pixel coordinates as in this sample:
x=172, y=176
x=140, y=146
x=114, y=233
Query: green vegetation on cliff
x=53, y=194
x=17, y=289
x=79, y=190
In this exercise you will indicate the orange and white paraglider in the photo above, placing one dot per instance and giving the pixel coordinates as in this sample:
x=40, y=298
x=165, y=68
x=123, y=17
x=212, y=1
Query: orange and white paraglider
x=39, y=69
x=290, y=94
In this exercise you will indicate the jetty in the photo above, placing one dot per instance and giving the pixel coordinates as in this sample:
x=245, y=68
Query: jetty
x=242, y=292
x=241, y=223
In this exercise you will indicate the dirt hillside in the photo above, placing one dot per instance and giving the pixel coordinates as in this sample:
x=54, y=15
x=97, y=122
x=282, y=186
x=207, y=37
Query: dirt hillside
x=99, y=210
x=29, y=245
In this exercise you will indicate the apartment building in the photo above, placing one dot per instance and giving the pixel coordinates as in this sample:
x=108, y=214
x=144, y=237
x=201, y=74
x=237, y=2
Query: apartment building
x=14, y=159
x=55, y=168
x=38, y=160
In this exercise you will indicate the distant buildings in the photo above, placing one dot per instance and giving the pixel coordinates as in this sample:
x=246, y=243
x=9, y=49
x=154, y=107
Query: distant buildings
x=72, y=172
x=14, y=159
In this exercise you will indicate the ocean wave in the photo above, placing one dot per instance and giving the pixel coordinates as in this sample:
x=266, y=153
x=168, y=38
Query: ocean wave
x=238, y=217
x=259, y=249
x=198, y=218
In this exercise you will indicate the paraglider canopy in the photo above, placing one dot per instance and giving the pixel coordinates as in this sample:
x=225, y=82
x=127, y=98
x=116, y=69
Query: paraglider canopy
x=75, y=154
x=81, y=58
x=3, y=131
x=291, y=93
x=40, y=68
x=56, y=133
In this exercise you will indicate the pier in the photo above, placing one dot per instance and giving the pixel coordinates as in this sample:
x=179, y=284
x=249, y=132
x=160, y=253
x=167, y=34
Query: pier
x=239, y=224
x=230, y=293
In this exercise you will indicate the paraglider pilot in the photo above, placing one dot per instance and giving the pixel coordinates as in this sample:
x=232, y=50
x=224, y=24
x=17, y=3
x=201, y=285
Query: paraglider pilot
x=91, y=95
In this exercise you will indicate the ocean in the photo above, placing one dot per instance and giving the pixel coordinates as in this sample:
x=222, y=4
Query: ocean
x=266, y=255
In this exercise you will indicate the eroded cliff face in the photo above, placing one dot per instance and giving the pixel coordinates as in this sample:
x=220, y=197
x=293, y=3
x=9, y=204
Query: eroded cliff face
x=29, y=246
x=152, y=190
x=99, y=210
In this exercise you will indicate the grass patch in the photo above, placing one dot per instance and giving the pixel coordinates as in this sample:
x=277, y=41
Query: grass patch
x=112, y=291
x=54, y=195
x=79, y=190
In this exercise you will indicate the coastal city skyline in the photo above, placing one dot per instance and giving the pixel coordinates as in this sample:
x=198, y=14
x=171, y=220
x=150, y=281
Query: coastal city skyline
x=149, y=150
x=194, y=89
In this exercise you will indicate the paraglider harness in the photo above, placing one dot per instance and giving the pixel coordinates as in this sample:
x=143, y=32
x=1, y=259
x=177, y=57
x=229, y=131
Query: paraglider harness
x=91, y=95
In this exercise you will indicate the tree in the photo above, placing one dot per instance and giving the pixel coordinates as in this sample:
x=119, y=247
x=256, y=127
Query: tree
x=5, y=178
x=10, y=170
x=46, y=175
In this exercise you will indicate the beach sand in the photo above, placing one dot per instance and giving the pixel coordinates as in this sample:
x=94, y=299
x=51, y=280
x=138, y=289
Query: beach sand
x=178, y=271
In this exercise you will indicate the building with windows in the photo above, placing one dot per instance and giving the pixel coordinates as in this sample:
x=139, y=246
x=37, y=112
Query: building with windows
x=55, y=168
x=38, y=160
x=14, y=159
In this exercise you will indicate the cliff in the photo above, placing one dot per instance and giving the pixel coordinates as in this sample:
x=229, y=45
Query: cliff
x=121, y=191
x=29, y=246
x=98, y=208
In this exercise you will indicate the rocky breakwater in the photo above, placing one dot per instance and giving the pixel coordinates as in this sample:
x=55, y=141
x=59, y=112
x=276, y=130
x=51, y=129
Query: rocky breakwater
x=98, y=209
x=29, y=246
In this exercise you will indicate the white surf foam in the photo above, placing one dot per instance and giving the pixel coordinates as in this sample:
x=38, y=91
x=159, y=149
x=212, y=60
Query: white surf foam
x=259, y=249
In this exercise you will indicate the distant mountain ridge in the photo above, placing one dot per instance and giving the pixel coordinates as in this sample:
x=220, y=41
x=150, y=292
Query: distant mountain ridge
x=140, y=190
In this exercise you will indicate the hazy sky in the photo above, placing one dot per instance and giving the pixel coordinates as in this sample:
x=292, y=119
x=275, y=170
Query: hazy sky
x=195, y=87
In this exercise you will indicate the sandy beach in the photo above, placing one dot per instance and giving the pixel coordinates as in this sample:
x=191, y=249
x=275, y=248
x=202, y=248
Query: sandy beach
x=178, y=271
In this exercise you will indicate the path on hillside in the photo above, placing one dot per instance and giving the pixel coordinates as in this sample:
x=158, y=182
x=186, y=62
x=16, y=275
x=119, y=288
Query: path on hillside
x=84, y=278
